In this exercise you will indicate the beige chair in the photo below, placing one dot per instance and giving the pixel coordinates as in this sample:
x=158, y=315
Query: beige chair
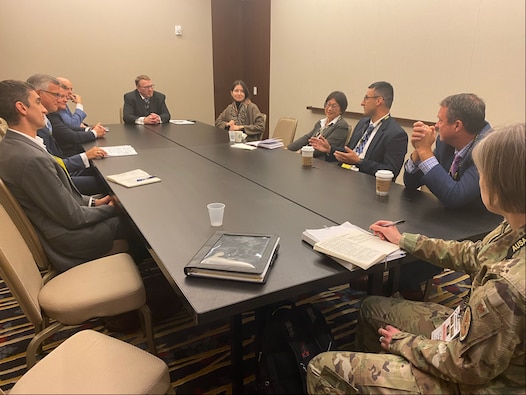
x=100, y=288
x=121, y=115
x=25, y=227
x=90, y=362
x=3, y=128
x=285, y=129
x=348, y=135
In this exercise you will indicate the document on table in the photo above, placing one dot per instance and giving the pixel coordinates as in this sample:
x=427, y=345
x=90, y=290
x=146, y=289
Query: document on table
x=120, y=150
x=351, y=245
x=182, y=122
x=244, y=146
x=133, y=178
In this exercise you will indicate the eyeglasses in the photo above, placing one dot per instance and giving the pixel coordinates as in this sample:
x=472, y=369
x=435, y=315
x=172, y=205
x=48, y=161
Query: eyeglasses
x=332, y=105
x=147, y=86
x=370, y=97
x=57, y=95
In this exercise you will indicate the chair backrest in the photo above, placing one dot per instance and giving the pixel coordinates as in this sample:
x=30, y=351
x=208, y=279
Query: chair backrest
x=3, y=128
x=348, y=135
x=18, y=269
x=285, y=129
x=24, y=225
x=121, y=115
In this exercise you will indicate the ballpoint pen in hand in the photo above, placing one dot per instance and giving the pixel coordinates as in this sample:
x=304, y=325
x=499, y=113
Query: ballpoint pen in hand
x=401, y=221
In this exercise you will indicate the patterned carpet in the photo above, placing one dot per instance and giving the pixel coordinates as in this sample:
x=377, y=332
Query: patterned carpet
x=199, y=357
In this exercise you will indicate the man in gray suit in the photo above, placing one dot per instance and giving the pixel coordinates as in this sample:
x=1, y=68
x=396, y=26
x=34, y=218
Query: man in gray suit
x=73, y=228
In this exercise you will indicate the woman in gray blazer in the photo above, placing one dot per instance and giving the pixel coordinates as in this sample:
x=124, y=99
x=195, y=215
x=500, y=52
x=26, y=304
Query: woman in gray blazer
x=333, y=127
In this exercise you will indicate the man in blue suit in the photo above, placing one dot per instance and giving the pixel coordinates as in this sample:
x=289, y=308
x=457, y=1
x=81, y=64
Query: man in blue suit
x=144, y=106
x=461, y=125
x=448, y=171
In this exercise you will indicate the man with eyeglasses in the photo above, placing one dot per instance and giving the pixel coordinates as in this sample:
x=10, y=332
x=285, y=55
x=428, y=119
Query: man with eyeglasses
x=333, y=128
x=377, y=143
x=73, y=228
x=145, y=106
x=78, y=165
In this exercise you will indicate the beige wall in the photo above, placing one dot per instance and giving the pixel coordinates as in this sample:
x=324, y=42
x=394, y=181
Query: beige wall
x=426, y=49
x=102, y=45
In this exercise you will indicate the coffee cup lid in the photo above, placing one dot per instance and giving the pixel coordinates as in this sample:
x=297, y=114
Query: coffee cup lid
x=307, y=148
x=384, y=174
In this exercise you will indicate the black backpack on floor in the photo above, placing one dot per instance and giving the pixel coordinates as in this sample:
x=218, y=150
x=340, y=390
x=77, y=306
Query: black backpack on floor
x=289, y=338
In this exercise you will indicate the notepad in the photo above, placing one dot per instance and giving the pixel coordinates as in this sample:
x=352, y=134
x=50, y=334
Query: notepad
x=268, y=143
x=182, y=122
x=120, y=150
x=133, y=178
x=243, y=146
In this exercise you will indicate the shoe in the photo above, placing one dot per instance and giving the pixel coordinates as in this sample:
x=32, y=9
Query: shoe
x=412, y=294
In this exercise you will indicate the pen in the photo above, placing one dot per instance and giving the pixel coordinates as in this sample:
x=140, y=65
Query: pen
x=145, y=178
x=401, y=221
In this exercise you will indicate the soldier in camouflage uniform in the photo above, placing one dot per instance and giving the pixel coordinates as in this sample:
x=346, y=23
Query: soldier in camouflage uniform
x=487, y=356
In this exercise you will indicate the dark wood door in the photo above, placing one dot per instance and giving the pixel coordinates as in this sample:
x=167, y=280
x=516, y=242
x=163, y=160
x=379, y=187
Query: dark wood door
x=241, y=50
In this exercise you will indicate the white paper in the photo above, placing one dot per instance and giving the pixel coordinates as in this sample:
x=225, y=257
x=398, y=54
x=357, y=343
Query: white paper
x=181, y=122
x=120, y=150
x=358, y=247
x=243, y=146
x=133, y=178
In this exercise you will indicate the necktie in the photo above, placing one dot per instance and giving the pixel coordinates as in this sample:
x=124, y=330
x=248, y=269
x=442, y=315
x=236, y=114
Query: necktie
x=453, y=170
x=361, y=144
x=146, y=103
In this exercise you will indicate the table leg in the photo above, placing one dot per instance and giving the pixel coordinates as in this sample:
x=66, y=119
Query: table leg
x=236, y=353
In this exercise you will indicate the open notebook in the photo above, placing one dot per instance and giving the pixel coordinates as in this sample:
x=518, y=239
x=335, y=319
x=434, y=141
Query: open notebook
x=352, y=246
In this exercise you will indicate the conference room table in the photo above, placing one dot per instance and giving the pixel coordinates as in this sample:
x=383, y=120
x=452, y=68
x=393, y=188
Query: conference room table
x=265, y=191
x=331, y=191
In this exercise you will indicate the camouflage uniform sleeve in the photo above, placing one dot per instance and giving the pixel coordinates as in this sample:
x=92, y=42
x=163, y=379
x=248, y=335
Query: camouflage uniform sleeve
x=456, y=255
x=495, y=332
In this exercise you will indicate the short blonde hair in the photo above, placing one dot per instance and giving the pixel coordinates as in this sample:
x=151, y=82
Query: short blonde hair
x=501, y=161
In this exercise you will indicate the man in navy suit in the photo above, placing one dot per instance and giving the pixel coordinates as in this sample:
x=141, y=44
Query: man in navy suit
x=448, y=171
x=144, y=106
x=461, y=126
x=378, y=142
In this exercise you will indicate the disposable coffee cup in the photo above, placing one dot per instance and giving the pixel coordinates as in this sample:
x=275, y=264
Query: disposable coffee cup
x=232, y=136
x=238, y=136
x=383, y=182
x=307, y=155
x=216, y=211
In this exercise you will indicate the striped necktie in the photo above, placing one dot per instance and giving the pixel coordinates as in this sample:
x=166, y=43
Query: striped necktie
x=361, y=144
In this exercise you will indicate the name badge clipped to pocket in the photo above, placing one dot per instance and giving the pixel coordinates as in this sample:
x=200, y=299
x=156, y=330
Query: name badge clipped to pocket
x=457, y=323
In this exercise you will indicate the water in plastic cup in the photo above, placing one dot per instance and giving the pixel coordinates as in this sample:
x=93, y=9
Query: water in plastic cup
x=216, y=211
x=383, y=182
x=232, y=136
x=307, y=153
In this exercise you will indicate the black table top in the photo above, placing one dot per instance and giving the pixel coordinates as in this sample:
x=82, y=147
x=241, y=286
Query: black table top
x=265, y=191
